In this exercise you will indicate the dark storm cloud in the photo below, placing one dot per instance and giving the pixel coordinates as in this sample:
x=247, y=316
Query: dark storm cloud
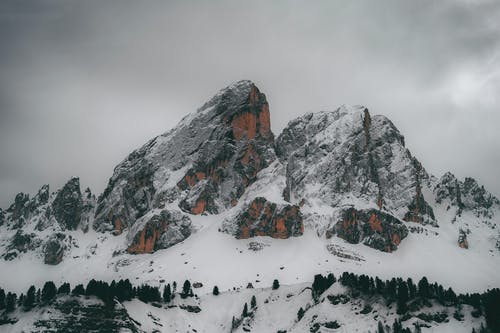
x=84, y=82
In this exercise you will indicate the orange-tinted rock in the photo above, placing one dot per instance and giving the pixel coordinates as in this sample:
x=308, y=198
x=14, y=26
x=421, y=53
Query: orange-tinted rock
x=118, y=226
x=199, y=208
x=375, y=223
x=263, y=218
x=372, y=227
x=151, y=234
x=145, y=241
x=244, y=125
x=265, y=121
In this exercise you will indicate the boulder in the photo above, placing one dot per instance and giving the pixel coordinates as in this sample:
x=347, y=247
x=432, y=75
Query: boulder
x=158, y=230
x=372, y=227
x=53, y=249
x=263, y=218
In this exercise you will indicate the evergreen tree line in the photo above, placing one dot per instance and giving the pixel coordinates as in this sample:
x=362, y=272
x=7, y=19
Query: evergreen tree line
x=107, y=292
x=395, y=290
x=404, y=291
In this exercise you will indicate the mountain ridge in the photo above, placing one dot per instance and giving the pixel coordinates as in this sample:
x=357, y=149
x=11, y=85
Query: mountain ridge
x=340, y=182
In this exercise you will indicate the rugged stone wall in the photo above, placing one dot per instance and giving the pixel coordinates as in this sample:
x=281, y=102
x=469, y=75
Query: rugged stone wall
x=371, y=227
x=264, y=218
x=67, y=206
x=158, y=230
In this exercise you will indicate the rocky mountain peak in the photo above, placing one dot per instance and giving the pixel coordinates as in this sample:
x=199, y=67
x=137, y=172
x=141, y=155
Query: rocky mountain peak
x=67, y=206
x=202, y=166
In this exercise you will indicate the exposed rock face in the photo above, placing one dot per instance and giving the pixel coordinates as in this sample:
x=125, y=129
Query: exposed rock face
x=67, y=206
x=372, y=227
x=466, y=196
x=264, y=218
x=419, y=210
x=54, y=249
x=462, y=240
x=20, y=208
x=203, y=165
x=41, y=222
x=336, y=156
x=21, y=243
x=158, y=230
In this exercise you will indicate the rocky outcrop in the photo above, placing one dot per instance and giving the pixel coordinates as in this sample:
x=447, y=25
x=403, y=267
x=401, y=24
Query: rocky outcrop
x=53, y=250
x=335, y=157
x=462, y=239
x=2, y=217
x=203, y=165
x=20, y=208
x=419, y=210
x=371, y=227
x=67, y=206
x=158, y=230
x=264, y=218
x=21, y=242
x=466, y=195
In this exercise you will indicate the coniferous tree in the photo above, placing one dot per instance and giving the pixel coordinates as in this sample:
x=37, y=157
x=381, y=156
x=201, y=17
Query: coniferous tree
x=186, y=289
x=300, y=314
x=167, y=293
x=253, y=302
x=48, y=291
x=20, y=300
x=78, y=290
x=30, y=298
x=491, y=301
x=245, y=311
x=64, y=288
x=412, y=288
x=276, y=284
x=38, y=297
x=215, y=291
x=2, y=299
x=402, y=307
x=123, y=290
x=10, y=302
x=423, y=288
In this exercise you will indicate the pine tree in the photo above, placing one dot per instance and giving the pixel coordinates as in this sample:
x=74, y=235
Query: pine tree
x=2, y=299
x=300, y=314
x=186, y=289
x=20, y=300
x=215, y=291
x=276, y=284
x=10, y=302
x=253, y=302
x=48, y=291
x=245, y=311
x=64, y=288
x=402, y=307
x=78, y=290
x=167, y=293
x=423, y=288
x=38, y=297
x=29, y=300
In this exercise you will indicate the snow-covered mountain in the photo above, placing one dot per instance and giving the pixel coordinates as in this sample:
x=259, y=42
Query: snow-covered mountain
x=219, y=200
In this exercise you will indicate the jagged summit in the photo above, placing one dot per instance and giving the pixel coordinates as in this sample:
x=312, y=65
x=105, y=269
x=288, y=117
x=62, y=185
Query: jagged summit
x=201, y=166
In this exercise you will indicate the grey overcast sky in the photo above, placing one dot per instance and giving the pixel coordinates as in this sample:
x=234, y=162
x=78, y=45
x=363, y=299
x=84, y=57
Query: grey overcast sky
x=83, y=83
